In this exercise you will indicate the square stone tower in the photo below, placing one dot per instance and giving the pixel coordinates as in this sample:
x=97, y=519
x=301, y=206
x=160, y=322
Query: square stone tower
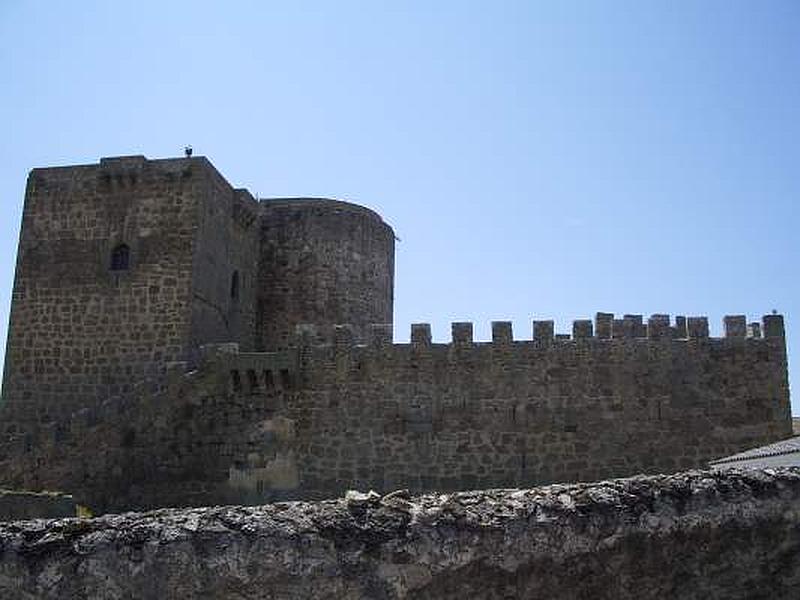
x=123, y=267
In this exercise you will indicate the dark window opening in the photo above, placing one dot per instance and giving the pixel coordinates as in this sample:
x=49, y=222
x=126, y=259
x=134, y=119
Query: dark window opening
x=235, y=285
x=236, y=381
x=286, y=379
x=120, y=258
x=252, y=380
x=269, y=381
x=128, y=437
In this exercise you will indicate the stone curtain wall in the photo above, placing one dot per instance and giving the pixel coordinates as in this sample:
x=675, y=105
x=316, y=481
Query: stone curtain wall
x=322, y=262
x=695, y=535
x=313, y=422
x=471, y=415
x=79, y=331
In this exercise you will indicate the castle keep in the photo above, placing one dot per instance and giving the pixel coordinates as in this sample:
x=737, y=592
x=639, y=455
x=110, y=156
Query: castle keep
x=126, y=266
x=175, y=341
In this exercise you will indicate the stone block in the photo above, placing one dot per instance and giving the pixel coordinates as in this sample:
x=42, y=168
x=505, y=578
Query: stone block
x=461, y=332
x=773, y=326
x=582, y=329
x=735, y=326
x=697, y=327
x=633, y=326
x=680, y=331
x=618, y=328
x=603, y=323
x=421, y=334
x=658, y=327
x=543, y=331
x=502, y=332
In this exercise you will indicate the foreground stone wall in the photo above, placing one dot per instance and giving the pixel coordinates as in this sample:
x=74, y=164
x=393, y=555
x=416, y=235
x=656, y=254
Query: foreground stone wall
x=692, y=535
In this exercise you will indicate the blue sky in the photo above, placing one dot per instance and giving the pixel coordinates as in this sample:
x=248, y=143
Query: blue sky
x=536, y=159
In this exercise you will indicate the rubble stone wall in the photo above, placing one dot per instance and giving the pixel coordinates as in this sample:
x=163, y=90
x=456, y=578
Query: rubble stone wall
x=688, y=536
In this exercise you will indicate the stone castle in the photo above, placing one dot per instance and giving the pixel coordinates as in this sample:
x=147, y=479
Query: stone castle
x=174, y=341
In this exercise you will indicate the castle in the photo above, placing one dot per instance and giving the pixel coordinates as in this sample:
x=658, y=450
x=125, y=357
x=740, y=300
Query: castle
x=174, y=341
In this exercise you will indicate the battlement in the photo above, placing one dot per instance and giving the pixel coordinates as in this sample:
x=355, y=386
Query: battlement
x=117, y=173
x=131, y=181
x=659, y=358
x=604, y=327
x=258, y=372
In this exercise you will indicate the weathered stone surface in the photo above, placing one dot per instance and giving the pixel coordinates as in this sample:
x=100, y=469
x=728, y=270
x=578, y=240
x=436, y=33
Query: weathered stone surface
x=324, y=262
x=694, y=535
x=83, y=329
x=205, y=263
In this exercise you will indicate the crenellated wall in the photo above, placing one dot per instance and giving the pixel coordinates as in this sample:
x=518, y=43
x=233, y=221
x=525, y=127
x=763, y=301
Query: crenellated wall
x=472, y=414
x=313, y=421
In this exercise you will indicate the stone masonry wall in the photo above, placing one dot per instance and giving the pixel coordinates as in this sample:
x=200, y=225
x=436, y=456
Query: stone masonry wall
x=225, y=269
x=79, y=331
x=83, y=332
x=695, y=535
x=312, y=422
x=471, y=415
x=322, y=262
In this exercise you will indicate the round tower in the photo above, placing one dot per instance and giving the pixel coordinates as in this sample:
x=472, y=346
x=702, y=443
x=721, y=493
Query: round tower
x=323, y=262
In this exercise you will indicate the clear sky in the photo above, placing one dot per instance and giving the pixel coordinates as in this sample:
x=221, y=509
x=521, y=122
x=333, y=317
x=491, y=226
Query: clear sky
x=536, y=159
